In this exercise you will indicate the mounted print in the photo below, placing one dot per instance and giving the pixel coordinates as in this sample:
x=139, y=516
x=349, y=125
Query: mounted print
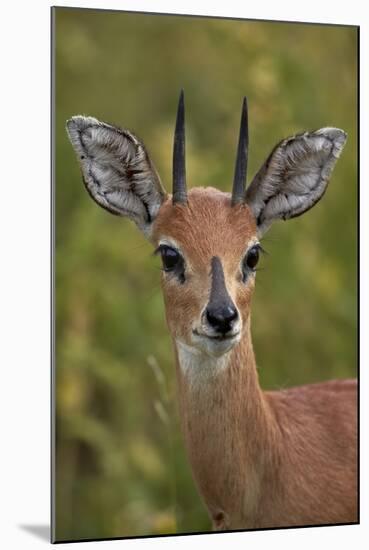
x=205, y=352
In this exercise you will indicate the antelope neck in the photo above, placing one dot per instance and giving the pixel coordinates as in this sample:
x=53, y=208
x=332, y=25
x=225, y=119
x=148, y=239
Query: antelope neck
x=228, y=426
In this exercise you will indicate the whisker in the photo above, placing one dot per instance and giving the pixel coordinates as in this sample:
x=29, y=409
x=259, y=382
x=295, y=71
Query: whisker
x=138, y=247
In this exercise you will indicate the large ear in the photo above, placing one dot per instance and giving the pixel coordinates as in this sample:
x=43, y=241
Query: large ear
x=295, y=176
x=117, y=170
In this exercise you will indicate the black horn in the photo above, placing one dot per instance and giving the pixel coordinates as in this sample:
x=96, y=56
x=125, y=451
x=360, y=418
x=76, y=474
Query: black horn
x=179, y=155
x=239, y=182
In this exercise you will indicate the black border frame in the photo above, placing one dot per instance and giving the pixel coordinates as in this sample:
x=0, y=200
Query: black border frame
x=52, y=273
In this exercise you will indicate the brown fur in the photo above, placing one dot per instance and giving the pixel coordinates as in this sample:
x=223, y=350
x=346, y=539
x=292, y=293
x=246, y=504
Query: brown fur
x=259, y=459
x=208, y=226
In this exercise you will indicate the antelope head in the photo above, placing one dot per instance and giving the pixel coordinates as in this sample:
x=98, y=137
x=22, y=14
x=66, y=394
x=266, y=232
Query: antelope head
x=208, y=240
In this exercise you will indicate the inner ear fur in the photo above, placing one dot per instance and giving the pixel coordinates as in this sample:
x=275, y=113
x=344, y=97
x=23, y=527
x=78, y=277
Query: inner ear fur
x=295, y=176
x=117, y=170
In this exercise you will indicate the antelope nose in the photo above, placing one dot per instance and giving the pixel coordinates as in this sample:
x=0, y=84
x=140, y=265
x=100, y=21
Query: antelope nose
x=222, y=318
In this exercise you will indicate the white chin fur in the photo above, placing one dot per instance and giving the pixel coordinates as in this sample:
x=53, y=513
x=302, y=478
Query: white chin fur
x=212, y=346
x=205, y=357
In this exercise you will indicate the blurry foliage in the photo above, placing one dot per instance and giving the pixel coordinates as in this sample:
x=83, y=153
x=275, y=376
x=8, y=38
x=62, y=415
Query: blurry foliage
x=120, y=467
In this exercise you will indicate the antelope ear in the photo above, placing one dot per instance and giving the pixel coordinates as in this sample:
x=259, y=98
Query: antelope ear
x=295, y=176
x=117, y=170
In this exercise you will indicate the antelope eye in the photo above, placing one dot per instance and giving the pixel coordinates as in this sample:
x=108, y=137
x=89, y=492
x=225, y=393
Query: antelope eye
x=170, y=258
x=251, y=259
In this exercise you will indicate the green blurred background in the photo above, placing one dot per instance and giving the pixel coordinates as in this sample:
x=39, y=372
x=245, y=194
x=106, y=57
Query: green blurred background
x=120, y=463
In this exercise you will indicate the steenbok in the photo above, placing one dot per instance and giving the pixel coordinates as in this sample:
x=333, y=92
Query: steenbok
x=259, y=459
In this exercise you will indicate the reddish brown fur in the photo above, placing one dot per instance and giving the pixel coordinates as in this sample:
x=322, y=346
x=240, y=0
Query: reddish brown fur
x=204, y=228
x=259, y=459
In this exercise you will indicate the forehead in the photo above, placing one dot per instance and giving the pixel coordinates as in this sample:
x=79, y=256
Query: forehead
x=207, y=226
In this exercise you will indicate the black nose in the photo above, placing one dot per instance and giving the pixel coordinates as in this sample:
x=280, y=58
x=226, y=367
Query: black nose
x=222, y=318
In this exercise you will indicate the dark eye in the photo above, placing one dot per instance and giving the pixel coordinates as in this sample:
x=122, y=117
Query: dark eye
x=250, y=260
x=173, y=261
x=170, y=258
x=252, y=257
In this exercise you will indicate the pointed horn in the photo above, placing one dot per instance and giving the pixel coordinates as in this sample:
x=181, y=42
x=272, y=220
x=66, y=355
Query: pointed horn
x=179, y=155
x=239, y=181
